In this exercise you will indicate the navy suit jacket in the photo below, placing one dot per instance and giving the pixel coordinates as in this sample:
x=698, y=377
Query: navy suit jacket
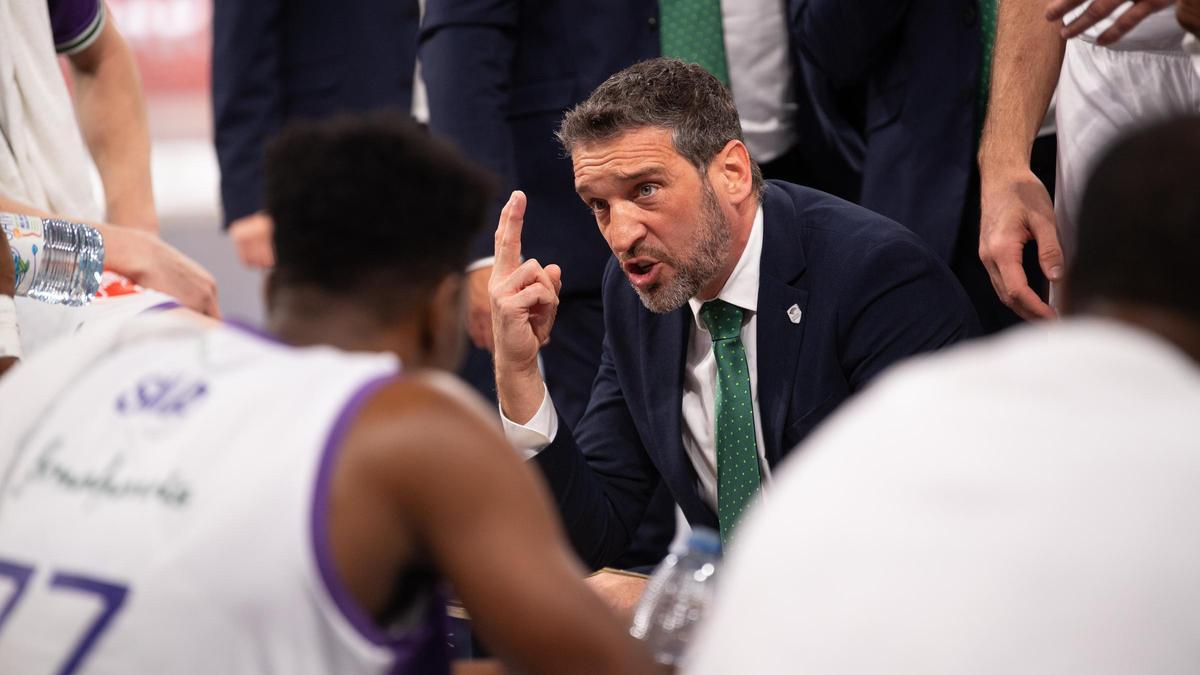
x=870, y=292
x=919, y=61
x=279, y=60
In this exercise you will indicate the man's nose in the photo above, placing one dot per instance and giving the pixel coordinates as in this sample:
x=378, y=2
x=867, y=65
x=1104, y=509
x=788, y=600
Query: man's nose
x=625, y=228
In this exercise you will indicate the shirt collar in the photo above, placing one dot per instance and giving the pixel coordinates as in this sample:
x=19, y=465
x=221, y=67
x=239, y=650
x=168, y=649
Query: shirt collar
x=741, y=289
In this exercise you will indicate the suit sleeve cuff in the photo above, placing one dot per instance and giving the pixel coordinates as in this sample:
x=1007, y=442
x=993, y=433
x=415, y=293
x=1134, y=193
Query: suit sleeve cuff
x=532, y=437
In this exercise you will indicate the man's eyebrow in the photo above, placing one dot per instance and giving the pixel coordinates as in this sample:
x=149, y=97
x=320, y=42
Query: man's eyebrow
x=647, y=172
x=653, y=171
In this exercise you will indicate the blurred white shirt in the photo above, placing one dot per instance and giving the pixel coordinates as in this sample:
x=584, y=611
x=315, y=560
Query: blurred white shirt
x=1025, y=504
x=760, y=74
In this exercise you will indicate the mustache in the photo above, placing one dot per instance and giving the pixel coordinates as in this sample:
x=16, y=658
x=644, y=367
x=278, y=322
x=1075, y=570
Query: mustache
x=645, y=250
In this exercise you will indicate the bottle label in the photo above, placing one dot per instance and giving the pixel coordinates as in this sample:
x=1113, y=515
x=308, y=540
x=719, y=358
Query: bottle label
x=26, y=238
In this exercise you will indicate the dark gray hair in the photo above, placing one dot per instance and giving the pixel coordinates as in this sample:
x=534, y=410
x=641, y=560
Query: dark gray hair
x=669, y=94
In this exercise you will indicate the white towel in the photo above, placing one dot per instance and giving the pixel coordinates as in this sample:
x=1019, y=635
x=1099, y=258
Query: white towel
x=43, y=159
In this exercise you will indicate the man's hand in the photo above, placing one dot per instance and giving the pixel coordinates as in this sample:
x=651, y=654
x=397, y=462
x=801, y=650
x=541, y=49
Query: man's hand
x=251, y=237
x=1188, y=14
x=524, y=303
x=1100, y=10
x=153, y=263
x=1014, y=210
x=619, y=591
x=479, y=309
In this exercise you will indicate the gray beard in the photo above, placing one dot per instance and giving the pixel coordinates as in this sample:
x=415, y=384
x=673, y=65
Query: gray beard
x=699, y=265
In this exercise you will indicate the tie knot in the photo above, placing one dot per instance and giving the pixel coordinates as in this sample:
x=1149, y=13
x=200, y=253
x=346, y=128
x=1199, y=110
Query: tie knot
x=724, y=321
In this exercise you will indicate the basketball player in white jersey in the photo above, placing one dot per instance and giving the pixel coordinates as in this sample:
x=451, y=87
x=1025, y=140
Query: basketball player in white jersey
x=183, y=496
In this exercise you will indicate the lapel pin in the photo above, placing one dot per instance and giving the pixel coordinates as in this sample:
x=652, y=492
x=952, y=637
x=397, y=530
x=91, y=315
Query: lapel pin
x=794, y=313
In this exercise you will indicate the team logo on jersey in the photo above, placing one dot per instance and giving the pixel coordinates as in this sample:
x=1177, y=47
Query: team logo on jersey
x=162, y=395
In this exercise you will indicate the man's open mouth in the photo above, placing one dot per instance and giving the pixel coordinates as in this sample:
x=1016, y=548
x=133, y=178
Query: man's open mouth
x=642, y=272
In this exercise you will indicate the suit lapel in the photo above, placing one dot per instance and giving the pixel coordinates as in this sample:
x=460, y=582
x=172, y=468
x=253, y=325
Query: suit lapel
x=779, y=303
x=662, y=356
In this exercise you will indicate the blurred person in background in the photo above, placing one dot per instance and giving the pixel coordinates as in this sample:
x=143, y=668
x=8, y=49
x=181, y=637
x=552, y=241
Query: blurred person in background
x=925, y=67
x=501, y=74
x=360, y=478
x=1124, y=65
x=275, y=61
x=52, y=141
x=1061, y=539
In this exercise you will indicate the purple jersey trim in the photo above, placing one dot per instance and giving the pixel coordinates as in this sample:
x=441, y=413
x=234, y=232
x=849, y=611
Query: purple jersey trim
x=162, y=306
x=423, y=649
x=75, y=23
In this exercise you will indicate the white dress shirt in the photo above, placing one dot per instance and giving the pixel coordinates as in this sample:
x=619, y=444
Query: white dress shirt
x=699, y=379
x=760, y=74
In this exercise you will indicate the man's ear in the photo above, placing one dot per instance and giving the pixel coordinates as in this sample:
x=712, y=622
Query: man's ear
x=734, y=174
x=443, y=329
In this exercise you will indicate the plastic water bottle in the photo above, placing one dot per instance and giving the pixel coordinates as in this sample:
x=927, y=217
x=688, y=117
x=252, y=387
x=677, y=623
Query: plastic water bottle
x=56, y=261
x=676, y=598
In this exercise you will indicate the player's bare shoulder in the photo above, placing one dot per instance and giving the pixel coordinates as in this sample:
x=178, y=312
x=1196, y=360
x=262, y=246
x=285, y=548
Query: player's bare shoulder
x=425, y=424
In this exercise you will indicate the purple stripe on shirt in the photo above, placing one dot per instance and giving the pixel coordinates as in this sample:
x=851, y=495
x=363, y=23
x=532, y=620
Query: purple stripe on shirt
x=69, y=19
x=422, y=649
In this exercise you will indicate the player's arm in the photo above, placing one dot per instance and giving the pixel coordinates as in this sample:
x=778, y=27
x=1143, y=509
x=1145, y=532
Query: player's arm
x=1015, y=207
x=112, y=117
x=146, y=259
x=485, y=521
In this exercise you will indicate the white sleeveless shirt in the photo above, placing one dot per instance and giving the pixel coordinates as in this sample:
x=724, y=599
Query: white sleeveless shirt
x=163, y=506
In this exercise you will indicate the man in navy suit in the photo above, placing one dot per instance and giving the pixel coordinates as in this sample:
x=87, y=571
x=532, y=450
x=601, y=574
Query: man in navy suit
x=275, y=61
x=924, y=64
x=500, y=74
x=824, y=296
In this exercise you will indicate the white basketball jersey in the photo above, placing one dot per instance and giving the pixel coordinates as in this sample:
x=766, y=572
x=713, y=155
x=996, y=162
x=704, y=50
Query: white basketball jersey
x=161, y=506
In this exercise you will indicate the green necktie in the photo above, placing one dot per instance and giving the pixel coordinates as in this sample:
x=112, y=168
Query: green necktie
x=737, y=450
x=691, y=31
x=987, y=35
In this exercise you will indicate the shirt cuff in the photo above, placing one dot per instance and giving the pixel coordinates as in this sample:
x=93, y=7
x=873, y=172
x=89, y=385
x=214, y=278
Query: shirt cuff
x=481, y=263
x=532, y=437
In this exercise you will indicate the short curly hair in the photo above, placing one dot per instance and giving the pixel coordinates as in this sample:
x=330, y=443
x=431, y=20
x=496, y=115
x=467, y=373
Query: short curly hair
x=371, y=208
x=663, y=93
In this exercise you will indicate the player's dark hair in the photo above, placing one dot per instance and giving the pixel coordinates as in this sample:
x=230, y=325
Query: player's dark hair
x=1139, y=225
x=371, y=208
x=682, y=98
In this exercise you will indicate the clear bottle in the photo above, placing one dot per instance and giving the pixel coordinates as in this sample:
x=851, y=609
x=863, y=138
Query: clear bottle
x=677, y=597
x=56, y=261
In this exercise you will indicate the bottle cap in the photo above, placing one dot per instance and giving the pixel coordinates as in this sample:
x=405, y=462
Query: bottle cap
x=705, y=540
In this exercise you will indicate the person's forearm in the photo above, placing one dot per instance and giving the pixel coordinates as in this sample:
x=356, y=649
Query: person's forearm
x=119, y=256
x=112, y=117
x=519, y=389
x=1027, y=59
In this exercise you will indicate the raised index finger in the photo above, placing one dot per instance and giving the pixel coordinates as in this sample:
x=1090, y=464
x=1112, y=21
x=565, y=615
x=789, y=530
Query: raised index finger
x=508, y=235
